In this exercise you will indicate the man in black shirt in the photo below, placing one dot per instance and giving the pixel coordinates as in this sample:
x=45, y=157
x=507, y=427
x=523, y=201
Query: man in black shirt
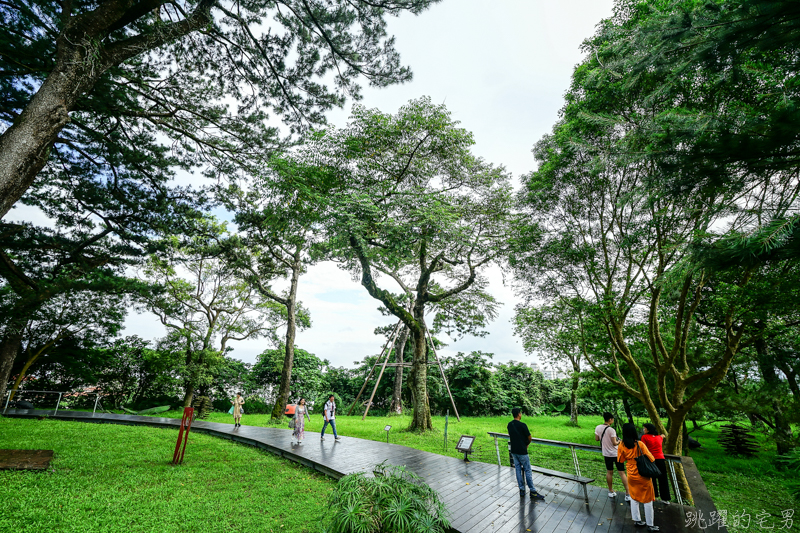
x=520, y=438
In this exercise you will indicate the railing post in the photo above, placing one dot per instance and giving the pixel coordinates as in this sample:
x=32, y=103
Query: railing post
x=8, y=397
x=497, y=449
x=59, y=403
x=675, y=482
x=575, y=461
x=95, y=403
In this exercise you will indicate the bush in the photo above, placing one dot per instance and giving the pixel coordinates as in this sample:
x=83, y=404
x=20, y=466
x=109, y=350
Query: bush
x=253, y=405
x=394, y=501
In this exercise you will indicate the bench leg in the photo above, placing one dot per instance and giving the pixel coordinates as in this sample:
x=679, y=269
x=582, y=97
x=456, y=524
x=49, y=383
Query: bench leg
x=585, y=494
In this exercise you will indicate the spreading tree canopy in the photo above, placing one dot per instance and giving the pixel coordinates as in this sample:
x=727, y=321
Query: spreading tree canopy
x=411, y=209
x=104, y=84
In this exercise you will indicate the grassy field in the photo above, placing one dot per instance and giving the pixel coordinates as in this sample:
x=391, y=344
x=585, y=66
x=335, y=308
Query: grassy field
x=109, y=478
x=738, y=485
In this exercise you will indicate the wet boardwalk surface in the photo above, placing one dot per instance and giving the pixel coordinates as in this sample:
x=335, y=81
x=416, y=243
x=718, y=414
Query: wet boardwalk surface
x=479, y=496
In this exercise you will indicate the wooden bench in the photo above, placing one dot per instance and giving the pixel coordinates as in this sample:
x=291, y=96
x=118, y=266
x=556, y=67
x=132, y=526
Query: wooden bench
x=577, y=478
x=571, y=477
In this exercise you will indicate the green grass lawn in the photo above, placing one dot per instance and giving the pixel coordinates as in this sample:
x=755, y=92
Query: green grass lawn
x=738, y=485
x=110, y=478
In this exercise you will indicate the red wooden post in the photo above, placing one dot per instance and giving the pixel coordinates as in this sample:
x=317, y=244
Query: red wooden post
x=186, y=423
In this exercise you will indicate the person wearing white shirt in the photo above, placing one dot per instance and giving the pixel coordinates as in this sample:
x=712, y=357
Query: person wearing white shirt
x=329, y=412
x=609, y=442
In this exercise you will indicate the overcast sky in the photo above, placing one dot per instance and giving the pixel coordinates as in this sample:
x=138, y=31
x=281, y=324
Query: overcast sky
x=501, y=67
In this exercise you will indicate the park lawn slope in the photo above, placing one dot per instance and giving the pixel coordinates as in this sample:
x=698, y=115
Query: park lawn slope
x=114, y=478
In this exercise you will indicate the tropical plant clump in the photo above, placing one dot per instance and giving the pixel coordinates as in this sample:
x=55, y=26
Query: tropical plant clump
x=393, y=501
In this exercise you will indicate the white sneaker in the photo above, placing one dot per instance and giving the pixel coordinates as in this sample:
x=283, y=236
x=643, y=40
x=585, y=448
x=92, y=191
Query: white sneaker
x=322, y=438
x=612, y=494
x=337, y=438
x=627, y=498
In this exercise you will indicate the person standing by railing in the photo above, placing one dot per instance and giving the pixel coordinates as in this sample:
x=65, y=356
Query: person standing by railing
x=640, y=487
x=655, y=443
x=520, y=437
x=608, y=442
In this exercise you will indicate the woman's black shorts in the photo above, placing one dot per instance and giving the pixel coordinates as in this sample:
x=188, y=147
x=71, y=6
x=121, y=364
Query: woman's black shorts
x=610, y=464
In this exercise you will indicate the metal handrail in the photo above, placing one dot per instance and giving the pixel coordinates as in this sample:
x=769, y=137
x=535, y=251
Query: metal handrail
x=60, y=394
x=574, y=446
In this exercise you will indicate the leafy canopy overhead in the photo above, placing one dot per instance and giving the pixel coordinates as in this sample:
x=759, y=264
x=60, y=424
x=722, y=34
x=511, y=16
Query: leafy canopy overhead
x=123, y=84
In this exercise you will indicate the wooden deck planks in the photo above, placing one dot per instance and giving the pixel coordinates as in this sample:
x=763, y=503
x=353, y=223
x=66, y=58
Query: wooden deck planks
x=480, y=497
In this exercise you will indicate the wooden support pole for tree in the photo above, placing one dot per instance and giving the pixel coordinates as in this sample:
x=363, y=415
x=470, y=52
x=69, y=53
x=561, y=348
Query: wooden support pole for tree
x=378, y=381
x=364, y=386
x=444, y=378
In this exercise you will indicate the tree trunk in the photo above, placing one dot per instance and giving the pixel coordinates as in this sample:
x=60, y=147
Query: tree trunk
x=188, y=387
x=188, y=395
x=25, y=146
x=783, y=429
x=673, y=444
x=22, y=374
x=397, y=403
x=627, y=406
x=421, y=420
x=291, y=331
x=573, y=401
x=9, y=348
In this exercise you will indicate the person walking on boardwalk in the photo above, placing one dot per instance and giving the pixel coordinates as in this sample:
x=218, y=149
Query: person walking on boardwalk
x=640, y=487
x=520, y=438
x=607, y=436
x=237, y=402
x=300, y=415
x=329, y=413
x=655, y=443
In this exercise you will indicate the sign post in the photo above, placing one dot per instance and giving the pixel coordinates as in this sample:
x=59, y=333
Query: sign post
x=465, y=446
x=387, y=429
x=183, y=436
x=445, y=429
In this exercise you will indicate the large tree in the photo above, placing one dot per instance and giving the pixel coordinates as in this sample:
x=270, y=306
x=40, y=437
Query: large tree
x=413, y=210
x=601, y=234
x=81, y=73
x=276, y=238
x=730, y=71
x=555, y=332
x=87, y=318
x=204, y=306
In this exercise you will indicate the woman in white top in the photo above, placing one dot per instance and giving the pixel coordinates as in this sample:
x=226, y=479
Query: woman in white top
x=300, y=415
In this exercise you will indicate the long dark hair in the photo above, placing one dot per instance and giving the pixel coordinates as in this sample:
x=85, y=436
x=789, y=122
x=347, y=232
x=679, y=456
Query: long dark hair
x=629, y=435
x=651, y=429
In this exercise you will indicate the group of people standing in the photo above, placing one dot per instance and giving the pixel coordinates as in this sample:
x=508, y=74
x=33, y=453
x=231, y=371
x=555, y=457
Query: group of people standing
x=621, y=454
x=299, y=417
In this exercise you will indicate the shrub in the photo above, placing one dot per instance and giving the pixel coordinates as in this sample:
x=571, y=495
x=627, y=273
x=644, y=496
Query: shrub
x=394, y=501
x=253, y=405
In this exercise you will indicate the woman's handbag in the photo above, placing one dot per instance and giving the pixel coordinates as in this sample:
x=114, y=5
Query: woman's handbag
x=292, y=423
x=644, y=465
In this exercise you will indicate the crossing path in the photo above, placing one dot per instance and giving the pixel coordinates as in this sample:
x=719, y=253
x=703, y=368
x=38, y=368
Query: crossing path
x=480, y=497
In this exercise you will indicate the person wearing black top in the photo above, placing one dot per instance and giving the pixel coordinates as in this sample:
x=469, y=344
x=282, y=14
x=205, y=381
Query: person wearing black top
x=520, y=437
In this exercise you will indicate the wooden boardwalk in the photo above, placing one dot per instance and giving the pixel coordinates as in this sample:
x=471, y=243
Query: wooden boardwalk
x=480, y=497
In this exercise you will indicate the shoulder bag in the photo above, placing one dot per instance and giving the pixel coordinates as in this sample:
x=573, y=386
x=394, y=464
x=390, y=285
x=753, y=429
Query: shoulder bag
x=644, y=465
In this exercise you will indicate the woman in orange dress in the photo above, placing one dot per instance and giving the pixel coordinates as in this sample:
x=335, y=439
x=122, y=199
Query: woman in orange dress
x=640, y=488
